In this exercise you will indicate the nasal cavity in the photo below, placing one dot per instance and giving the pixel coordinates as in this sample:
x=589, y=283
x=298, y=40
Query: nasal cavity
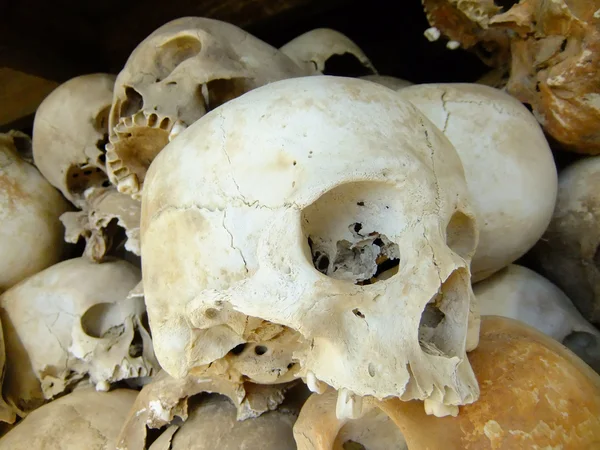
x=345, y=230
x=443, y=323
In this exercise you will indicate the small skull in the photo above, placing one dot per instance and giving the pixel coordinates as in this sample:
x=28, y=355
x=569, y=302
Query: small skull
x=31, y=235
x=522, y=294
x=317, y=51
x=362, y=255
x=182, y=70
x=70, y=132
x=70, y=321
x=569, y=252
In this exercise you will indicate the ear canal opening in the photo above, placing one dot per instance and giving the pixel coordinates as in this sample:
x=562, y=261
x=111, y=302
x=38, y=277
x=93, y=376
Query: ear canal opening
x=461, y=235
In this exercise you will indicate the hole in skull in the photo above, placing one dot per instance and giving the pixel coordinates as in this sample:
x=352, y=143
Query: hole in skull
x=220, y=91
x=441, y=330
x=346, y=65
x=345, y=232
x=357, y=313
x=136, y=348
x=586, y=346
x=79, y=178
x=175, y=51
x=132, y=104
x=352, y=445
x=146, y=323
x=238, y=349
x=260, y=350
x=23, y=146
x=101, y=143
x=460, y=235
x=152, y=434
x=102, y=319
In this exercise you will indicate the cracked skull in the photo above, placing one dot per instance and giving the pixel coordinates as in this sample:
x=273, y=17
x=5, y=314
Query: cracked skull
x=70, y=132
x=182, y=70
x=327, y=209
x=70, y=321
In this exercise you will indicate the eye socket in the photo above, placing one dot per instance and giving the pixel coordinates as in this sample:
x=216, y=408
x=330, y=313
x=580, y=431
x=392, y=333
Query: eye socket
x=175, y=51
x=461, y=235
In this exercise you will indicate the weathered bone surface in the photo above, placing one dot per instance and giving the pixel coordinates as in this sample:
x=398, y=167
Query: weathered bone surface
x=84, y=419
x=508, y=165
x=70, y=321
x=520, y=293
x=534, y=394
x=212, y=424
x=319, y=428
x=314, y=48
x=182, y=70
x=387, y=81
x=31, y=235
x=69, y=134
x=350, y=173
x=555, y=66
x=164, y=401
x=106, y=216
x=569, y=252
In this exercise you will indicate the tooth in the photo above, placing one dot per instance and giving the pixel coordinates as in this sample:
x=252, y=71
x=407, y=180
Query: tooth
x=177, y=128
x=438, y=409
x=315, y=385
x=349, y=405
x=128, y=184
x=102, y=386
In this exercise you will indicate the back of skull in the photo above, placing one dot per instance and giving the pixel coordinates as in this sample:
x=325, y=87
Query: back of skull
x=324, y=213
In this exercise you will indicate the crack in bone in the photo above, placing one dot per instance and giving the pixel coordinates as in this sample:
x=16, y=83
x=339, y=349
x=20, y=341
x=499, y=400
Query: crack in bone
x=231, y=241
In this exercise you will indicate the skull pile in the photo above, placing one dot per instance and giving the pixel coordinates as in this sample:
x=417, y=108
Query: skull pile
x=315, y=252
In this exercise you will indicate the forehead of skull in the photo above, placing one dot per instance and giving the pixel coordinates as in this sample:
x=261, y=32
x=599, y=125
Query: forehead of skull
x=320, y=131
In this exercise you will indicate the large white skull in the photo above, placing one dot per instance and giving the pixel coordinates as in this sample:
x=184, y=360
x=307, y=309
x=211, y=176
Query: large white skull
x=234, y=205
x=72, y=320
x=31, y=235
x=174, y=76
x=69, y=134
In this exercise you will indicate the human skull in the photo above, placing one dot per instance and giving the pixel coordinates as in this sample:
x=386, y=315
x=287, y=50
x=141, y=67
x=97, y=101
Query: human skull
x=31, y=235
x=165, y=401
x=522, y=294
x=70, y=321
x=508, y=165
x=320, y=207
x=83, y=419
x=182, y=70
x=314, y=49
x=318, y=427
x=107, y=215
x=70, y=131
x=569, y=252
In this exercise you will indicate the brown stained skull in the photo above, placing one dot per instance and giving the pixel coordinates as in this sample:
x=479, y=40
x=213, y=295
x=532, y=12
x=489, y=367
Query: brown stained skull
x=182, y=70
x=555, y=66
